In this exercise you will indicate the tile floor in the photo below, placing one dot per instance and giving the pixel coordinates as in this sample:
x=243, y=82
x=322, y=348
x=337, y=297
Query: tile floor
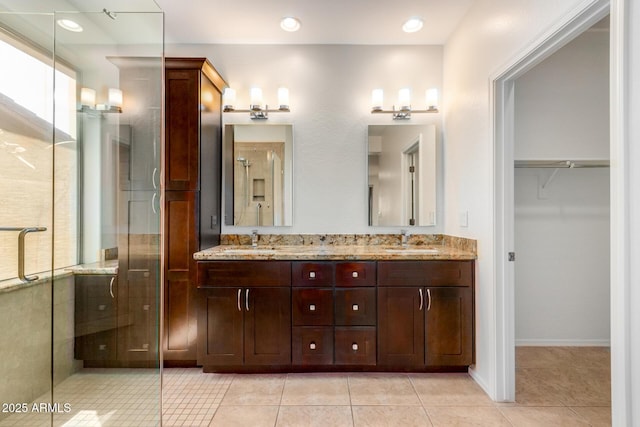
x=555, y=386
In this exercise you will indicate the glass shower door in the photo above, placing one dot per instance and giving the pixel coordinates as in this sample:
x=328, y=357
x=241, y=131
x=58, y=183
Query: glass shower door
x=118, y=63
x=80, y=141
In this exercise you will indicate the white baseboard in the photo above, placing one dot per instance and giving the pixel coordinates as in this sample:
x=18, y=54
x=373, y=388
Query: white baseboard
x=562, y=343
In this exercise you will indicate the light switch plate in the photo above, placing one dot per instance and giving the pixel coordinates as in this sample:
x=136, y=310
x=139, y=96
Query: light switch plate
x=464, y=219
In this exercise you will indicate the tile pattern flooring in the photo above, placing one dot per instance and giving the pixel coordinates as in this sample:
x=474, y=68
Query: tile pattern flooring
x=555, y=386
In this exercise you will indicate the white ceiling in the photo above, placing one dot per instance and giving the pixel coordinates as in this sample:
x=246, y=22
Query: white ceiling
x=323, y=21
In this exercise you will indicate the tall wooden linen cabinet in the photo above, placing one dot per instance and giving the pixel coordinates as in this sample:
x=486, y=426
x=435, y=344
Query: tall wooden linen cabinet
x=192, y=183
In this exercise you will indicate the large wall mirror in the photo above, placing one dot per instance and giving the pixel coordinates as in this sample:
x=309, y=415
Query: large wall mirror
x=402, y=170
x=258, y=175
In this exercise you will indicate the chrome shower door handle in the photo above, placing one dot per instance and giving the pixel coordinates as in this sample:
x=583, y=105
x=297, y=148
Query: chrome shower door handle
x=21, y=237
x=421, y=299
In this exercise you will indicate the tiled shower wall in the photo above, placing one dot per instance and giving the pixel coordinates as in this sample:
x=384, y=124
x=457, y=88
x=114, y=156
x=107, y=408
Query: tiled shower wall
x=25, y=336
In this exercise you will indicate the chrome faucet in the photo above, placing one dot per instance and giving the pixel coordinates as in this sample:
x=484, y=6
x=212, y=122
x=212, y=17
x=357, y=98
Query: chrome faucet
x=254, y=238
x=404, y=237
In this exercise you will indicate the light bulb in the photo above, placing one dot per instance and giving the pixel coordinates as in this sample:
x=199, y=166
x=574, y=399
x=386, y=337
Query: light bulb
x=376, y=99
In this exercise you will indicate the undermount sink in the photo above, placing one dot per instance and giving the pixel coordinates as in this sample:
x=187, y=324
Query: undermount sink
x=412, y=251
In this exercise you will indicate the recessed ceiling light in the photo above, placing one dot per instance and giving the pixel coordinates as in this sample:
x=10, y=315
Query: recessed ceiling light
x=289, y=23
x=70, y=25
x=412, y=25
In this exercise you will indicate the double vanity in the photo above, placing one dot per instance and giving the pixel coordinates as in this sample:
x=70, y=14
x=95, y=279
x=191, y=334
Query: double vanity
x=335, y=303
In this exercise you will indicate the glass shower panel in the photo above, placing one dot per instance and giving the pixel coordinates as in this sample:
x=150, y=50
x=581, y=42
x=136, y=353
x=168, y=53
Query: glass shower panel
x=106, y=314
x=26, y=181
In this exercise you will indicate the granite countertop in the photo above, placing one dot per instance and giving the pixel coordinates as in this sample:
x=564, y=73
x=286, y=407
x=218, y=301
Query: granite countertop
x=341, y=247
x=333, y=252
x=100, y=267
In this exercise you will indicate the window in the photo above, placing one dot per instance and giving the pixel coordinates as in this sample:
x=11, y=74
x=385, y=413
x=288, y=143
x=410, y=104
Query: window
x=32, y=193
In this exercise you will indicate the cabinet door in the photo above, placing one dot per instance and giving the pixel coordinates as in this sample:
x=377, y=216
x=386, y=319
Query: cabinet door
x=400, y=327
x=182, y=129
x=180, y=314
x=267, y=339
x=220, y=326
x=449, y=327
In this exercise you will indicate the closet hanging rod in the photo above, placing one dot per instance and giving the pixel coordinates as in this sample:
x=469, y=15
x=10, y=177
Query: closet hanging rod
x=559, y=164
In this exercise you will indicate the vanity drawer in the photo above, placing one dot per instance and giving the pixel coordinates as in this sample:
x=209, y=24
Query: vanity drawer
x=312, y=306
x=312, y=345
x=425, y=273
x=355, y=346
x=244, y=273
x=351, y=274
x=356, y=307
x=312, y=273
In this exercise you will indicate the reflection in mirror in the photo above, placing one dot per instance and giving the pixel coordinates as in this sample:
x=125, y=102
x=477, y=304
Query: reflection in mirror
x=261, y=183
x=402, y=166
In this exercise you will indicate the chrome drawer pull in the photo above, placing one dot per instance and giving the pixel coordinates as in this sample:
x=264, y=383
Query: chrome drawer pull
x=312, y=275
x=354, y=346
x=354, y=274
x=101, y=307
x=312, y=307
x=312, y=346
x=355, y=307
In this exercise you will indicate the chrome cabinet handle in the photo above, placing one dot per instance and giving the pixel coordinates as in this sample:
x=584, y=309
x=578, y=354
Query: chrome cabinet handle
x=354, y=274
x=153, y=178
x=354, y=346
x=246, y=299
x=153, y=203
x=421, y=299
x=312, y=346
x=111, y=286
x=239, y=293
x=429, y=303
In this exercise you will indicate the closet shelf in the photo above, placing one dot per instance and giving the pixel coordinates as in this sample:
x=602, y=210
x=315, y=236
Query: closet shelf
x=560, y=164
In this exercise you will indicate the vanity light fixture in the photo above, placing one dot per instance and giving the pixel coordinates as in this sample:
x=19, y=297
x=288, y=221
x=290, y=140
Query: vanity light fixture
x=257, y=109
x=404, y=101
x=88, y=101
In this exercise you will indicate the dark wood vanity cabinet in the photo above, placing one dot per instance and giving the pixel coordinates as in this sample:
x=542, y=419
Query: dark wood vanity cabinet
x=425, y=314
x=192, y=182
x=95, y=318
x=244, y=315
x=384, y=315
x=333, y=306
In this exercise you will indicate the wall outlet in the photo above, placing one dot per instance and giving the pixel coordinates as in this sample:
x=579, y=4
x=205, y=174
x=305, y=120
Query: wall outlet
x=464, y=219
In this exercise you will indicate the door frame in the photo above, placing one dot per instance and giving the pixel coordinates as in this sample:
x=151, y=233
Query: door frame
x=502, y=106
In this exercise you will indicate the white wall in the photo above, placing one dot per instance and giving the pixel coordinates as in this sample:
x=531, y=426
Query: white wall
x=490, y=37
x=330, y=87
x=562, y=275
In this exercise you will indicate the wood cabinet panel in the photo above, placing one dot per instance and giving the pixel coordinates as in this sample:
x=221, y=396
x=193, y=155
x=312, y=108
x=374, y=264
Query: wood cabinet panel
x=355, y=345
x=400, y=327
x=220, y=327
x=267, y=333
x=449, y=273
x=351, y=274
x=309, y=274
x=356, y=307
x=312, y=345
x=244, y=273
x=449, y=336
x=312, y=307
x=182, y=129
